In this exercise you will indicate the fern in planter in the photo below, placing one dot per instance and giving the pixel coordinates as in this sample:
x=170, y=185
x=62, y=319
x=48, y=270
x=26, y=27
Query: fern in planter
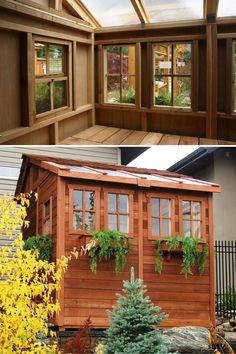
x=192, y=254
x=43, y=244
x=106, y=245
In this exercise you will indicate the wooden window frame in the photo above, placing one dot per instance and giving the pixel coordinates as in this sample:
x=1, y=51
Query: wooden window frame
x=172, y=76
x=120, y=75
x=203, y=215
x=45, y=218
x=149, y=196
x=50, y=78
x=130, y=195
x=83, y=188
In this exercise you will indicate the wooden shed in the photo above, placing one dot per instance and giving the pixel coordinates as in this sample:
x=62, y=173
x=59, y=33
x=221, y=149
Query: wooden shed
x=146, y=205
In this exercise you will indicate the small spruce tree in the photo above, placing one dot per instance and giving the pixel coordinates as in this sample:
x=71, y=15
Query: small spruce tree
x=133, y=321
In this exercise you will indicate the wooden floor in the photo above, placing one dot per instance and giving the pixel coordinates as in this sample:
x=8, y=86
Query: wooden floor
x=102, y=135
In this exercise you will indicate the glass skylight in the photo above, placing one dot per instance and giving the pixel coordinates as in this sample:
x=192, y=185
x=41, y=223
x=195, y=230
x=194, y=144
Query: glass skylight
x=174, y=10
x=226, y=8
x=112, y=12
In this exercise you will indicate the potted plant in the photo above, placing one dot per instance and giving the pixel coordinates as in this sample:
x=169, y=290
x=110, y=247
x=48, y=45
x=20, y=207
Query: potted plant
x=107, y=244
x=194, y=252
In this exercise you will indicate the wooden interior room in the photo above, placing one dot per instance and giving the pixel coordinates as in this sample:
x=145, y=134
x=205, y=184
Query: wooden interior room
x=87, y=72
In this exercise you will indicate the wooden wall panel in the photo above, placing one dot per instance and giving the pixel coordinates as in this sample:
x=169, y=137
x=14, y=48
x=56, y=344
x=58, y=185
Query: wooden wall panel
x=10, y=100
x=166, y=289
x=92, y=294
x=38, y=137
x=82, y=74
x=74, y=125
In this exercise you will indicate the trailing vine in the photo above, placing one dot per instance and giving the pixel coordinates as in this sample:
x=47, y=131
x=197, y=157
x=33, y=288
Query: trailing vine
x=107, y=244
x=192, y=254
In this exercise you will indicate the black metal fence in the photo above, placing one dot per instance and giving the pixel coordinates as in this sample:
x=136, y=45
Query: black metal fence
x=225, y=278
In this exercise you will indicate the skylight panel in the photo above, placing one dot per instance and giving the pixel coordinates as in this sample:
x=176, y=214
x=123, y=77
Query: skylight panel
x=174, y=10
x=226, y=8
x=112, y=12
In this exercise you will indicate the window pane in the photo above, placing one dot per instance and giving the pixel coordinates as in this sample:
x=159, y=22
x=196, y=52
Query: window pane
x=226, y=8
x=196, y=228
x=186, y=210
x=162, y=92
x=47, y=208
x=112, y=222
x=234, y=78
x=78, y=203
x=186, y=228
x=112, y=203
x=162, y=59
x=113, y=12
x=175, y=10
x=113, y=89
x=128, y=89
x=124, y=203
x=182, y=58
x=89, y=221
x=155, y=227
x=196, y=210
x=59, y=94
x=40, y=59
x=165, y=203
x=155, y=206
x=77, y=220
x=165, y=227
x=113, y=60
x=47, y=227
x=124, y=223
x=89, y=200
x=182, y=91
x=128, y=60
x=55, y=59
x=42, y=98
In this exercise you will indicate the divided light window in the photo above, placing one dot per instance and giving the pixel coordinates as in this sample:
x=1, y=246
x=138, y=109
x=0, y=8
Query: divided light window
x=172, y=74
x=192, y=218
x=119, y=68
x=51, y=77
x=161, y=217
x=234, y=73
x=83, y=210
x=118, y=212
x=47, y=217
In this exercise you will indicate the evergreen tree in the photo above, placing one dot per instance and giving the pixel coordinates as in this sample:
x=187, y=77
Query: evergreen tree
x=133, y=320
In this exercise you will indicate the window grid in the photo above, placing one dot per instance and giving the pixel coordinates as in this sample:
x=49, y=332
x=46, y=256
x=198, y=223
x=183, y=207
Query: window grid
x=84, y=210
x=51, y=84
x=172, y=74
x=121, y=75
x=160, y=216
x=47, y=217
x=191, y=219
x=118, y=213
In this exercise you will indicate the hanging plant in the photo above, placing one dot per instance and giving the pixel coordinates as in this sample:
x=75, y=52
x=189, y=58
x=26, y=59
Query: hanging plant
x=107, y=244
x=193, y=252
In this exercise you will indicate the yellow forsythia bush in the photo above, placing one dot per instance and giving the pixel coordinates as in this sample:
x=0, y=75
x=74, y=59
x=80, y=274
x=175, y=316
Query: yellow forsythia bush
x=27, y=286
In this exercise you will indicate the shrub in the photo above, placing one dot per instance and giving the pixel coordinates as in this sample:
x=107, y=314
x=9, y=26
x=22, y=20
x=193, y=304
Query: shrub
x=133, y=322
x=80, y=343
x=43, y=244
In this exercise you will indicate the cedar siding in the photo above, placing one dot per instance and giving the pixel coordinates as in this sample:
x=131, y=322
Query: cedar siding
x=188, y=301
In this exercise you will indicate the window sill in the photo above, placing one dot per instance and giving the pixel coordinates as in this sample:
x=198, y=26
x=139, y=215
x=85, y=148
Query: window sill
x=172, y=109
x=53, y=113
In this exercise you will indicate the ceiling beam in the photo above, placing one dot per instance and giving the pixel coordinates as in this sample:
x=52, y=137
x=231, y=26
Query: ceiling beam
x=210, y=9
x=141, y=10
x=78, y=9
